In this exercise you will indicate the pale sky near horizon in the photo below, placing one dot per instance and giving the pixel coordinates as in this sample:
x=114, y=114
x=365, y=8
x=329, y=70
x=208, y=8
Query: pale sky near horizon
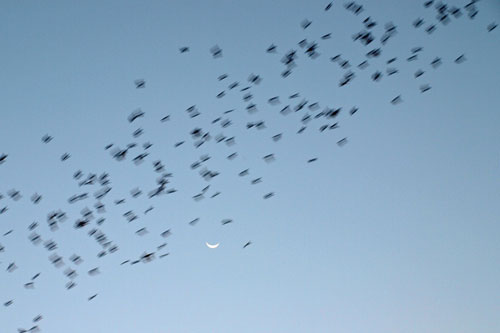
x=396, y=231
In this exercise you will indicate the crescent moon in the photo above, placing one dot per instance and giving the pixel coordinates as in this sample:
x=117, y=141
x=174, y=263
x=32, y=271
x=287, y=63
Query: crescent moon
x=212, y=246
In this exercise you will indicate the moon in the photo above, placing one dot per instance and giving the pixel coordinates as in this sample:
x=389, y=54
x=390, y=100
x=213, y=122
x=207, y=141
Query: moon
x=214, y=246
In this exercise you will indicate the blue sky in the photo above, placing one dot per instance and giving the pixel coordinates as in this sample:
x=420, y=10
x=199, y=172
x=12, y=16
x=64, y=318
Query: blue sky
x=397, y=231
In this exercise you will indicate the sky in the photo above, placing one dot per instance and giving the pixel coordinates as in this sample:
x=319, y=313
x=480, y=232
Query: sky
x=395, y=231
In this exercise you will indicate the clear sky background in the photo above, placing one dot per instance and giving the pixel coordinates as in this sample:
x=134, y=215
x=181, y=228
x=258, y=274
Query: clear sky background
x=397, y=231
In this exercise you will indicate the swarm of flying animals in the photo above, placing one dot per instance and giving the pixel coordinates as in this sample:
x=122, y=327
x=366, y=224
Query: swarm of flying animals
x=95, y=187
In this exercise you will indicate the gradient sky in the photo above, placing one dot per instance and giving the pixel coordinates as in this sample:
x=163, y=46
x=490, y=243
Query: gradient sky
x=397, y=231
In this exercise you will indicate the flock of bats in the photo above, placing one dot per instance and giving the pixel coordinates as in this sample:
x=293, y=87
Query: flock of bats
x=96, y=188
